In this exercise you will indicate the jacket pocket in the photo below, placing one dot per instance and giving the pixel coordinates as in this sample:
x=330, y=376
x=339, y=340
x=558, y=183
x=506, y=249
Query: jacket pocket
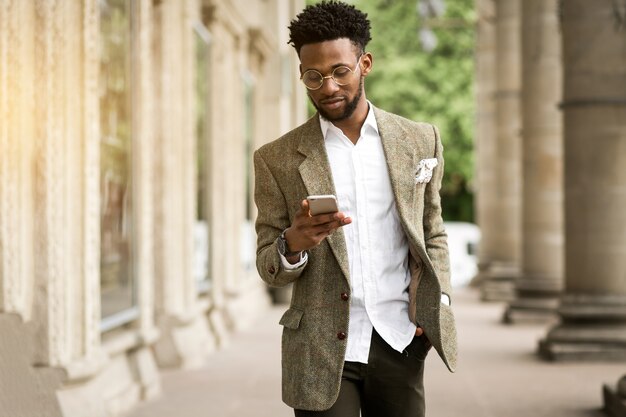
x=291, y=319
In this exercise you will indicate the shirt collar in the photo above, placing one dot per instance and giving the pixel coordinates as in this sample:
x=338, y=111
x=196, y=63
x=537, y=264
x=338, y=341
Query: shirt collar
x=369, y=123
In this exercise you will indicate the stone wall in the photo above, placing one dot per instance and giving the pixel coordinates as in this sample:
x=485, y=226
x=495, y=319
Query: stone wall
x=62, y=360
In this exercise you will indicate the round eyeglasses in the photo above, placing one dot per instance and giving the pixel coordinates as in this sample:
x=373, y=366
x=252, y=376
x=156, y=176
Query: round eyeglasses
x=313, y=79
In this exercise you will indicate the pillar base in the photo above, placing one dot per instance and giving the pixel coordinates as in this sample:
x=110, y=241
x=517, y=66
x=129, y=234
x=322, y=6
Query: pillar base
x=219, y=328
x=615, y=399
x=185, y=343
x=537, y=299
x=593, y=327
x=531, y=309
x=481, y=275
x=588, y=343
x=244, y=305
x=498, y=282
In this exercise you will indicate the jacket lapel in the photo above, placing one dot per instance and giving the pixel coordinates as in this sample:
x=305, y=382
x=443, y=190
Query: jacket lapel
x=317, y=177
x=401, y=162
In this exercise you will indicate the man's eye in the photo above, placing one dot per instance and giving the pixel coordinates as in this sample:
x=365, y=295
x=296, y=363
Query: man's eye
x=312, y=76
x=341, y=72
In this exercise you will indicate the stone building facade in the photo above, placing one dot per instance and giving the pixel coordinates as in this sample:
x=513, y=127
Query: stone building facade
x=126, y=215
x=551, y=179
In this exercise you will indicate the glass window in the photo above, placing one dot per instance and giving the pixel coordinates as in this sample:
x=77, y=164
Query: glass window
x=117, y=278
x=247, y=229
x=202, y=228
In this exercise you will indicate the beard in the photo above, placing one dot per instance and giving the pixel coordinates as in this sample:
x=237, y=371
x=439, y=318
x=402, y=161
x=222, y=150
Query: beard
x=348, y=111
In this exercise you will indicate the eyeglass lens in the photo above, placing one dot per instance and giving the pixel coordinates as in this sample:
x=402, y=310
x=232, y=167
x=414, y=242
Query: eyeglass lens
x=314, y=80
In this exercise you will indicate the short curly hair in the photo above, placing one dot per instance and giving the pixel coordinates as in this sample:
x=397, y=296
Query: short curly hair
x=327, y=21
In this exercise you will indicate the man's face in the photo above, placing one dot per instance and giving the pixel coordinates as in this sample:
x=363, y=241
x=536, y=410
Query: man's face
x=336, y=102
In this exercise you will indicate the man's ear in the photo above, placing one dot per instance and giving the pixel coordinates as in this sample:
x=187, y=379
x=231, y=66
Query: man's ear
x=367, y=63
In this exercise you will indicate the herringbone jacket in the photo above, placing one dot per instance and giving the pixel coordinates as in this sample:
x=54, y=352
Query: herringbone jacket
x=294, y=166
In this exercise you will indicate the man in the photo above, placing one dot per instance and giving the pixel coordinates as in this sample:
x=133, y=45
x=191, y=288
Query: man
x=371, y=287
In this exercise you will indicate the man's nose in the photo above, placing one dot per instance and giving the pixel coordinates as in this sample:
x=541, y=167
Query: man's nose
x=329, y=86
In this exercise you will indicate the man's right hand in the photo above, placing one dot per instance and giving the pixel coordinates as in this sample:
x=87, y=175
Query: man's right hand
x=308, y=231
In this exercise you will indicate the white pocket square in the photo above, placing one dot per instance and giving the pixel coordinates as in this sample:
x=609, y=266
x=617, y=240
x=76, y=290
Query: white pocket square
x=425, y=170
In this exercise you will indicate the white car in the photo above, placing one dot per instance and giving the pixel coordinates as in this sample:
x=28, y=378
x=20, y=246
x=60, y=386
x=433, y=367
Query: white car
x=463, y=239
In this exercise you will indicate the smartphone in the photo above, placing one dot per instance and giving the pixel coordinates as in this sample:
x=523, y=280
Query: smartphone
x=321, y=204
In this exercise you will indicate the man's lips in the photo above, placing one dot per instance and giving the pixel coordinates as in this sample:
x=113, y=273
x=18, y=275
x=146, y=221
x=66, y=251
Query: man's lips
x=332, y=103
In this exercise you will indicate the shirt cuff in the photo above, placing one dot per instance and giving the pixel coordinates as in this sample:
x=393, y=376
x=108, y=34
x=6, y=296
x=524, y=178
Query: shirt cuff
x=445, y=299
x=289, y=267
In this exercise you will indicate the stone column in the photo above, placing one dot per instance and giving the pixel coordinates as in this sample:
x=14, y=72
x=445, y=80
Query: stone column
x=185, y=340
x=217, y=53
x=282, y=96
x=542, y=225
x=25, y=390
x=615, y=399
x=65, y=194
x=242, y=37
x=504, y=268
x=486, y=200
x=221, y=56
x=593, y=307
x=17, y=97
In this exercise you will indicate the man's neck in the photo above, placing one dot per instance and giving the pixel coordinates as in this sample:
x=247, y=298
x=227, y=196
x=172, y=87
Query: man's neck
x=351, y=127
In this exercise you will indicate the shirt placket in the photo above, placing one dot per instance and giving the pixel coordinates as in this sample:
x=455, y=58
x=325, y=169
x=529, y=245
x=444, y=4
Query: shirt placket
x=364, y=245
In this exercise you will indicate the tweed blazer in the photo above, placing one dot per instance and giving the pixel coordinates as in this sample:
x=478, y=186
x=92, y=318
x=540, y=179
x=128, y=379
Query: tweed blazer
x=296, y=165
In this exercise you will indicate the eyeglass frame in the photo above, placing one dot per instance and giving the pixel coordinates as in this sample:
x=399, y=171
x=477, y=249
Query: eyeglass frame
x=331, y=76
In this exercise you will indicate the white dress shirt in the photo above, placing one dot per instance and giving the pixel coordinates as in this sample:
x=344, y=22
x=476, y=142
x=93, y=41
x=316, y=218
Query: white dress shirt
x=376, y=244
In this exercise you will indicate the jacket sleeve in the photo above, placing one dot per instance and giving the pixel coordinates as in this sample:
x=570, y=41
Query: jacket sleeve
x=435, y=236
x=272, y=219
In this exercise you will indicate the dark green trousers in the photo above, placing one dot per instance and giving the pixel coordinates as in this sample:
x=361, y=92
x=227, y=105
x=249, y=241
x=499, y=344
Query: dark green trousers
x=391, y=384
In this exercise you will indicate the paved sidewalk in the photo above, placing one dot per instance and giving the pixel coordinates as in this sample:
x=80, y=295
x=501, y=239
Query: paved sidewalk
x=498, y=376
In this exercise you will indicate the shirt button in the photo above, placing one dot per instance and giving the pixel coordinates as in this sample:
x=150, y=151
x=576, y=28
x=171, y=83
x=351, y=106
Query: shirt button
x=271, y=269
x=345, y=296
x=341, y=335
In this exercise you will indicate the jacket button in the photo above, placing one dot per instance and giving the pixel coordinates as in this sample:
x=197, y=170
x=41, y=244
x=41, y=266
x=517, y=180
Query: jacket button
x=345, y=296
x=341, y=335
x=271, y=269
